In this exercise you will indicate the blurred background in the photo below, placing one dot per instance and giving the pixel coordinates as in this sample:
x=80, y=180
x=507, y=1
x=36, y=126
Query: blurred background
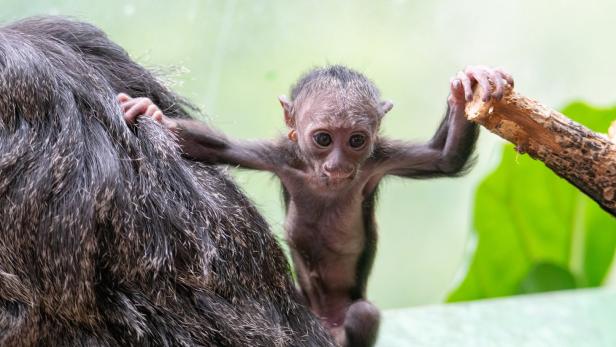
x=233, y=58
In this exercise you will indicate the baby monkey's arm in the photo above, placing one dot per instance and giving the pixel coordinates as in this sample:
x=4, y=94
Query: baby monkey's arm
x=449, y=150
x=201, y=142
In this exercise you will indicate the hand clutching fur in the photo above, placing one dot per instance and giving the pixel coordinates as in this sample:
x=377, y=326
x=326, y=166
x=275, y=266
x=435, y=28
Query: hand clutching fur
x=108, y=237
x=330, y=165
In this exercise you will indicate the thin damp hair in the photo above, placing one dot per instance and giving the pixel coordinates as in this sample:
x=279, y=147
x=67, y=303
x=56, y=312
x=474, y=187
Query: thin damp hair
x=345, y=94
x=335, y=77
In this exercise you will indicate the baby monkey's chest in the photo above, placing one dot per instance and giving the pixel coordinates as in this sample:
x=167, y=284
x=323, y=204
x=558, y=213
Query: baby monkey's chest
x=323, y=230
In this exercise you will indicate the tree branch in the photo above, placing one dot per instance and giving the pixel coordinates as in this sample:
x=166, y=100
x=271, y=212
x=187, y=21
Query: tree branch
x=581, y=156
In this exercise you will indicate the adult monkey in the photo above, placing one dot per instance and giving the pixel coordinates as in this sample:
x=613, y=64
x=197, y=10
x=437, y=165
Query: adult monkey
x=108, y=237
x=330, y=167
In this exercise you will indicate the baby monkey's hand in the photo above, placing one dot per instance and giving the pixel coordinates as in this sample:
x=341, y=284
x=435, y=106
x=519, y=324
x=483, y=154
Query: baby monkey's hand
x=196, y=139
x=134, y=108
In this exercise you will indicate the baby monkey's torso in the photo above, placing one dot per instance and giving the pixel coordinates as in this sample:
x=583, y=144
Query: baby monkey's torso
x=332, y=238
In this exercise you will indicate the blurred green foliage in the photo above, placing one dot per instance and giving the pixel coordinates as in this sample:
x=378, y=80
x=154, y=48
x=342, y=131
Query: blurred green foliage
x=536, y=232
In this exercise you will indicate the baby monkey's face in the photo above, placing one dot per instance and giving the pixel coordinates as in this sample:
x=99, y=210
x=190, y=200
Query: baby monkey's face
x=336, y=142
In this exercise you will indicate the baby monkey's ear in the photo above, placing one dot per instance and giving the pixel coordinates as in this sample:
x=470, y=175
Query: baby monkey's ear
x=287, y=106
x=385, y=106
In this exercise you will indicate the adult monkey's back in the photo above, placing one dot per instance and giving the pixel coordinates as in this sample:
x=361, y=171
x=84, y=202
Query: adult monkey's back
x=107, y=235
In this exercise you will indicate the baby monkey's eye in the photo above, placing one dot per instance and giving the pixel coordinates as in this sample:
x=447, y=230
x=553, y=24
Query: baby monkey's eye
x=322, y=139
x=357, y=140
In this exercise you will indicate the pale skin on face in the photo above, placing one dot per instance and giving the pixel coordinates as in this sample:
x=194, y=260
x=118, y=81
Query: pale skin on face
x=330, y=186
x=334, y=140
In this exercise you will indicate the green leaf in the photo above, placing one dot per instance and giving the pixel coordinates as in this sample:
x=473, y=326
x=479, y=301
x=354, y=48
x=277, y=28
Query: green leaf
x=545, y=277
x=535, y=231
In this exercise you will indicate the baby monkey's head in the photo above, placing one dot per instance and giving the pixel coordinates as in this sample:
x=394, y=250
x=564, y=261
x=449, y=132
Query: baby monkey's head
x=334, y=115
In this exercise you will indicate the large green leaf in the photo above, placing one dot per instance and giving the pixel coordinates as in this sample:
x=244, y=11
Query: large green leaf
x=535, y=231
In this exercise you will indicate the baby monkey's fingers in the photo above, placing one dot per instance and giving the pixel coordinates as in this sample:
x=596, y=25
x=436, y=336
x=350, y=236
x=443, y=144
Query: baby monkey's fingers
x=134, y=108
x=137, y=108
x=123, y=97
x=158, y=116
x=505, y=75
x=151, y=110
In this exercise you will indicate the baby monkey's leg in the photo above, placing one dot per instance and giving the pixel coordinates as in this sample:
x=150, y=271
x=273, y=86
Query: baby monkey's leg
x=361, y=325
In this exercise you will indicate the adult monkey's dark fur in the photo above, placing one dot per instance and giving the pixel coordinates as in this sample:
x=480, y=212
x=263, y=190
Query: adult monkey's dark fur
x=108, y=236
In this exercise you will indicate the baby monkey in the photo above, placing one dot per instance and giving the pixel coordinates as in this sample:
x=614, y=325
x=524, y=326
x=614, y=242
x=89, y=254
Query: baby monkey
x=330, y=166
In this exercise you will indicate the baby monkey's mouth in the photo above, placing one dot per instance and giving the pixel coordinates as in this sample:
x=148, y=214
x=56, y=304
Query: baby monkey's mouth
x=339, y=175
x=336, y=179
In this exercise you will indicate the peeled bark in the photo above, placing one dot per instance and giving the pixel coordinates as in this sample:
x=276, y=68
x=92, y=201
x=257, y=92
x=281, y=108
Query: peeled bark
x=581, y=156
